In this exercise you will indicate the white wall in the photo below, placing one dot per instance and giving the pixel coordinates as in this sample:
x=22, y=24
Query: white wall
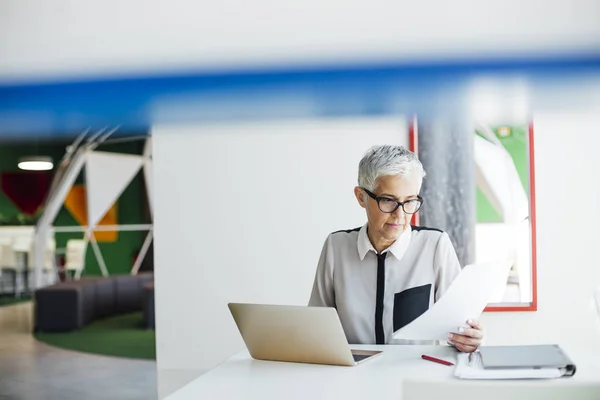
x=241, y=214
x=566, y=174
x=566, y=164
x=66, y=38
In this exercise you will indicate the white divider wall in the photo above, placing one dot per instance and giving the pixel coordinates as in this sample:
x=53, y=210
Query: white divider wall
x=241, y=213
x=566, y=167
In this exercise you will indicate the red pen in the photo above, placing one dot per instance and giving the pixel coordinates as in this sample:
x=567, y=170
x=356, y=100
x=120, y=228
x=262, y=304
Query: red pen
x=436, y=360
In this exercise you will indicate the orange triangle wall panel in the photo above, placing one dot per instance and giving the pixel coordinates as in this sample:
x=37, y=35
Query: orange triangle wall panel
x=76, y=204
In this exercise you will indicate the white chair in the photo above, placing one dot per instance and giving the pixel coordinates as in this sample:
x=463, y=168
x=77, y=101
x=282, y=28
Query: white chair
x=5, y=239
x=22, y=246
x=25, y=246
x=7, y=263
x=49, y=268
x=75, y=256
x=50, y=273
x=22, y=252
x=7, y=256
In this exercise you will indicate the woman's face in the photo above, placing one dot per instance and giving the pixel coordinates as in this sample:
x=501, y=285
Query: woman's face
x=387, y=227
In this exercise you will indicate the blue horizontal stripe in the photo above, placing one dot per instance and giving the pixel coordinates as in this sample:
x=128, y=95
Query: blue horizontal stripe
x=68, y=107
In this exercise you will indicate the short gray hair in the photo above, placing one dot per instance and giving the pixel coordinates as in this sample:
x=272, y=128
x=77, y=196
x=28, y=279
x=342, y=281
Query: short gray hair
x=383, y=160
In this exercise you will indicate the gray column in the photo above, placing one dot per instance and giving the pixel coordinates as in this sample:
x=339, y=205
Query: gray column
x=445, y=146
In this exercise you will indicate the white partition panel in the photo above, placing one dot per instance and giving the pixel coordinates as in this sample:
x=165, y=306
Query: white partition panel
x=107, y=176
x=241, y=213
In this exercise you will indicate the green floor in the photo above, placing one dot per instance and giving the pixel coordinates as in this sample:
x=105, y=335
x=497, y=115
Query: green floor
x=7, y=300
x=121, y=336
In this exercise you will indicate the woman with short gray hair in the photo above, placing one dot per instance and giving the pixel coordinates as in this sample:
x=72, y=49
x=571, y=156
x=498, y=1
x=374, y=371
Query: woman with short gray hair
x=385, y=274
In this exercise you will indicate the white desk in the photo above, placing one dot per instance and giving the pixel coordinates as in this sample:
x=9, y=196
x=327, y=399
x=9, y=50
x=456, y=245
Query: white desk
x=399, y=373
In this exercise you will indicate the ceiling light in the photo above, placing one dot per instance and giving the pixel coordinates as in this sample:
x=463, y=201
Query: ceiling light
x=35, y=163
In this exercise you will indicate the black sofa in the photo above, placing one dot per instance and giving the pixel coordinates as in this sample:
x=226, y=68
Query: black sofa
x=71, y=305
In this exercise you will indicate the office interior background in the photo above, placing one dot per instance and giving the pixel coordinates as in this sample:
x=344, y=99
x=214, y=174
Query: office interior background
x=254, y=117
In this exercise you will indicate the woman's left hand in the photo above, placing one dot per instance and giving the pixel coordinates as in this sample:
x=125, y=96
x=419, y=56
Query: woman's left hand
x=469, y=339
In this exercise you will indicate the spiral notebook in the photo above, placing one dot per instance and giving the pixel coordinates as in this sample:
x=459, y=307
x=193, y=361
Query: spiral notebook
x=515, y=362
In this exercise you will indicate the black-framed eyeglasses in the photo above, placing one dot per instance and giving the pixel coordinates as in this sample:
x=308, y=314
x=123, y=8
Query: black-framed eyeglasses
x=388, y=205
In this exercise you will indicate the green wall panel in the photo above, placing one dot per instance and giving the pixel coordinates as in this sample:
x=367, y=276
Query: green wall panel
x=516, y=145
x=132, y=208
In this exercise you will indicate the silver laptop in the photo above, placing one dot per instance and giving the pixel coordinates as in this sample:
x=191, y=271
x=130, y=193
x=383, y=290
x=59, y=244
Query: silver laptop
x=295, y=334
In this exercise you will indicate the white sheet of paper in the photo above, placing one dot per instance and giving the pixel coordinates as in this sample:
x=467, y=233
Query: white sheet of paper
x=466, y=298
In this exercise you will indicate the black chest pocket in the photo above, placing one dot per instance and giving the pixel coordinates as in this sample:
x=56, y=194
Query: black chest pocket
x=410, y=304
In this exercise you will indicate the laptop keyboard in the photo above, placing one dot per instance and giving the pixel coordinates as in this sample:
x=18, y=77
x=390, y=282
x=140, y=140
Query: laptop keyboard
x=359, y=357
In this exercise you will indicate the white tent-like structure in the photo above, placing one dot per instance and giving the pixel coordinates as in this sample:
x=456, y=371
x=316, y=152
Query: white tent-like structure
x=498, y=179
x=107, y=175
